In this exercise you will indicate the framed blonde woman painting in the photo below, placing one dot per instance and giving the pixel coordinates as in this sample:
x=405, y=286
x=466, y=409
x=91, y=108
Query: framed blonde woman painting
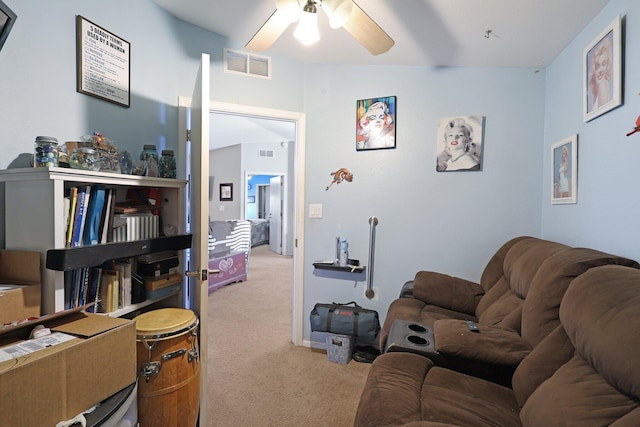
x=602, y=72
x=564, y=171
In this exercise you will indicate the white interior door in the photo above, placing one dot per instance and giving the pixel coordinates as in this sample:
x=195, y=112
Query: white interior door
x=275, y=214
x=196, y=170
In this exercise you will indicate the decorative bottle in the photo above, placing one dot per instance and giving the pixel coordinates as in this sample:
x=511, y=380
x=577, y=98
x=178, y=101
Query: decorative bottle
x=167, y=164
x=45, y=152
x=344, y=254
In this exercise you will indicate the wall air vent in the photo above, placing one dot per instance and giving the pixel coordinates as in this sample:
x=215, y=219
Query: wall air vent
x=265, y=153
x=237, y=62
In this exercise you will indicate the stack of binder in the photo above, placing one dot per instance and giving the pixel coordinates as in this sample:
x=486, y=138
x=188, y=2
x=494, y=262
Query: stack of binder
x=160, y=274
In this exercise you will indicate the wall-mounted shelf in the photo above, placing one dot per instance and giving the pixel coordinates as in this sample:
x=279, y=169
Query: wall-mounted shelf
x=335, y=267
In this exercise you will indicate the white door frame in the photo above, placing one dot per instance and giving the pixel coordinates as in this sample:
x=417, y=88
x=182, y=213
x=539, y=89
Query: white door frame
x=297, y=333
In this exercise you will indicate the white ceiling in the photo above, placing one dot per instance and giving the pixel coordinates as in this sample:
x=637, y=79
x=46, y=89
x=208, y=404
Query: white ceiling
x=524, y=33
x=437, y=33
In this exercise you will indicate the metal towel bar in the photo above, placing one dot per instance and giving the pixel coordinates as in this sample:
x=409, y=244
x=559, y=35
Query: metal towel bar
x=373, y=222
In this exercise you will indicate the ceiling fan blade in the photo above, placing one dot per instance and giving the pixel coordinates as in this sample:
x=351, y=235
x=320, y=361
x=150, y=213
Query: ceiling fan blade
x=267, y=35
x=367, y=32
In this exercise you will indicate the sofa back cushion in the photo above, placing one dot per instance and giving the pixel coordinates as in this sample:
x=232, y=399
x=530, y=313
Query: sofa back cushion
x=600, y=385
x=540, y=310
x=521, y=263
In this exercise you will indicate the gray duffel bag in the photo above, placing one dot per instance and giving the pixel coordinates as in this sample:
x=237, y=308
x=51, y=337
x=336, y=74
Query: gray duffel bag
x=345, y=319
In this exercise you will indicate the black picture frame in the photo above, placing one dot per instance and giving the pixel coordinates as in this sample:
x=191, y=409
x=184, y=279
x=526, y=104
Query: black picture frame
x=376, y=123
x=7, y=19
x=103, y=63
x=226, y=192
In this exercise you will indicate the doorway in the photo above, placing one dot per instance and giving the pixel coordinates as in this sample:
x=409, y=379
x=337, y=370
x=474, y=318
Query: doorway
x=292, y=209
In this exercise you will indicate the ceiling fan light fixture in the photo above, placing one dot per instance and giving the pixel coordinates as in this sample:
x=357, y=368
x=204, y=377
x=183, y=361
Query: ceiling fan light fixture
x=338, y=11
x=290, y=9
x=307, y=30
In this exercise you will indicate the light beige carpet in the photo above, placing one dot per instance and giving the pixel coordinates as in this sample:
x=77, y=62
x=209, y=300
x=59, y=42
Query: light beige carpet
x=256, y=376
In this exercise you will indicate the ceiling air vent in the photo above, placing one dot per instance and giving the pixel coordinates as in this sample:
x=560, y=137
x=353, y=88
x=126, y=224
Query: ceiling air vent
x=265, y=153
x=237, y=62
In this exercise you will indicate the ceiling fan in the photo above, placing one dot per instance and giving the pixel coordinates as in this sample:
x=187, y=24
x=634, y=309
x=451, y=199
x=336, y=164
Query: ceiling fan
x=341, y=13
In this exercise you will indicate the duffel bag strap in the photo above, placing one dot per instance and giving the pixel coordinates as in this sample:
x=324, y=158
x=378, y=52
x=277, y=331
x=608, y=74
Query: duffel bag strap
x=352, y=302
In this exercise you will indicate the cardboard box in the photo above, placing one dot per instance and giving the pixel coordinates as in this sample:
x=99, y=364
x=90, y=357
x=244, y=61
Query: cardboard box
x=19, y=285
x=58, y=382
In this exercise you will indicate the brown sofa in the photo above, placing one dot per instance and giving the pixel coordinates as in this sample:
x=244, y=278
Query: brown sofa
x=515, y=304
x=586, y=341
x=583, y=373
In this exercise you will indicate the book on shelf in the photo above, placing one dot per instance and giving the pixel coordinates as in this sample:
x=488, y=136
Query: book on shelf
x=108, y=282
x=78, y=216
x=73, y=198
x=106, y=218
x=93, y=215
x=131, y=227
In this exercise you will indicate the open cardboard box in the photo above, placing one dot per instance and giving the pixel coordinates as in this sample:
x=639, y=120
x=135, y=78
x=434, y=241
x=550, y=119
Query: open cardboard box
x=19, y=285
x=60, y=381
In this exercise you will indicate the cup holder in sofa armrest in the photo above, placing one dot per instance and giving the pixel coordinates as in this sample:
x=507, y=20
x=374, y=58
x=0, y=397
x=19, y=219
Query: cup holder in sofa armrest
x=410, y=337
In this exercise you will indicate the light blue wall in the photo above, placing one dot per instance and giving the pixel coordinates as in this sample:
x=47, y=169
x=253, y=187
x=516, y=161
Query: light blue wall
x=450, y=222
x=606, y=214
x=38, y=76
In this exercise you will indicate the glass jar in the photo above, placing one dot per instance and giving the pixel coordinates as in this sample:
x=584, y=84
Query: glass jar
x=85, y=158
x=45, y=152
x=167, y=164
x=149, y=150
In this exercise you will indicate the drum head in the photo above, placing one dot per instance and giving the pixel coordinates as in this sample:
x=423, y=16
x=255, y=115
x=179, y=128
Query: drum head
x=164, y=321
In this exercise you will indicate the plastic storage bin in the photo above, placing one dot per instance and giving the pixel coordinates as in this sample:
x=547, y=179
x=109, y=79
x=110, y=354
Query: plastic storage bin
x=339, y=348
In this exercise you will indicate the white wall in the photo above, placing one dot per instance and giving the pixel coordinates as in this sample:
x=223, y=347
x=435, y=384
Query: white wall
x=606, y=215
x=225, y=165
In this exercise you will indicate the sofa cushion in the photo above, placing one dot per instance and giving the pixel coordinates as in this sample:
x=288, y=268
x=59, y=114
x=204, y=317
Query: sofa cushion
x=601, y=383
x=490, y=345
x=599, y=303
x=447, y=291
x=540, y=313
x=521, y=263
x=554, y=351
x=576, y=394
x=392, y=395
x=455, y=398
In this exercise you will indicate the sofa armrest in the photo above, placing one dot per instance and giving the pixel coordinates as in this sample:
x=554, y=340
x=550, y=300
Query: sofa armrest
x=490, y=345
x=447, y=291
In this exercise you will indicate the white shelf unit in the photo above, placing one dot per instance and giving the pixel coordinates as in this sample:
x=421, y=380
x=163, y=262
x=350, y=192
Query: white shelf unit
x=35, y=212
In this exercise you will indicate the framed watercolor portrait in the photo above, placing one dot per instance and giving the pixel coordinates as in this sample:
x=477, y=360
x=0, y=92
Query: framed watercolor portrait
x=459, y=143
x=564, y=171
x=602, y=72
x=376, y=123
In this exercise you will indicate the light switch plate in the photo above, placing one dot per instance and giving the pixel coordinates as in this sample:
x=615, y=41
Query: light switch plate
x=315, y=210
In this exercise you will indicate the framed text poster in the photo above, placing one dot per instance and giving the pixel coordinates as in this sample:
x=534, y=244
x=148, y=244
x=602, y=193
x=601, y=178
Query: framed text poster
x=103, y=63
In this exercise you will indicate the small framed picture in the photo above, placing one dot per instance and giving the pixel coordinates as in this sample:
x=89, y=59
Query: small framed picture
x=564, y=171
x=376, y=123
x=251, y=199
x=226, y=192
x=602, y=72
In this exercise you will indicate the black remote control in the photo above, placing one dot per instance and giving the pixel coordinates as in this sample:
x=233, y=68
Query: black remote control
x=473, y=326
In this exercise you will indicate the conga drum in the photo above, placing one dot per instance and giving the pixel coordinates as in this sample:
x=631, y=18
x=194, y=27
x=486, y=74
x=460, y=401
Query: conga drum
x=169, y=368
